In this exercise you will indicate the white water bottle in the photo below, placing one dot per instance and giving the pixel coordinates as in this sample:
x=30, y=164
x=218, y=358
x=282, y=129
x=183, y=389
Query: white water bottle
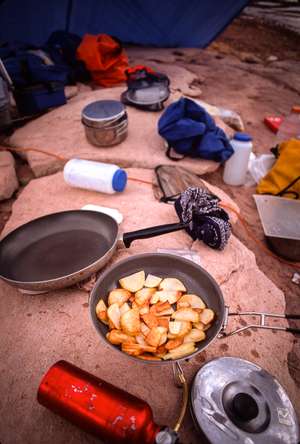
x=102, y=177
x=236, y=166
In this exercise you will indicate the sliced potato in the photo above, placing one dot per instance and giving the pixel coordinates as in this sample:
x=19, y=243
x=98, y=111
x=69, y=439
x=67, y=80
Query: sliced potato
x=134, y=282
x=125, y=307
x=173, y=343
x=186, y=314
x=164, y=321
x=144, y=295
x=194, y=335
x=166, y=312
x=207, y=316
x=180, y=329
x=135, y=306
x=132, y=349
x=199, y=325
x=130, y=322
x=114, y=315
x=152, y=281
x=154, y=336
x=170, y=296
x=144, y=310
x=155, y=298
x=140, y=339
x=162, y=306
x=164, y=336
x=118, y=296
x=181, y=351
x=144, y=329
x=149, y=357
x=101, y=312
x=161, y=351
x=150, y=320
x=118, y=337
x=190, y=300
x=172, y=284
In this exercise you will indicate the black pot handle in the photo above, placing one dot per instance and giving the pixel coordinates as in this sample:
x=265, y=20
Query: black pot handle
x=145, y=233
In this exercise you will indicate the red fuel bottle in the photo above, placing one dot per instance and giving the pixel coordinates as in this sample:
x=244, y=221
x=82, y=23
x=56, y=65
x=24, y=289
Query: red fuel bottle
x=111, y=414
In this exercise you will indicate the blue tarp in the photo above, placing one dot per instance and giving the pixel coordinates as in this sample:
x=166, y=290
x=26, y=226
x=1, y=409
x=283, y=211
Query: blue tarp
x=164, y=23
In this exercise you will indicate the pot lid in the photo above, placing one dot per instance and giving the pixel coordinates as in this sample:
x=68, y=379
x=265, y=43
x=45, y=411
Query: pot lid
x=236, y=401
x=103, y=110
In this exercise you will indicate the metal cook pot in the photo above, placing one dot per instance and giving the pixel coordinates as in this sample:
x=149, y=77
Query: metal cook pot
x=61, y=249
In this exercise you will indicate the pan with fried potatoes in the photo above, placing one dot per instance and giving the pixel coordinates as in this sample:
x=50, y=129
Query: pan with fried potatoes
x=157, y=308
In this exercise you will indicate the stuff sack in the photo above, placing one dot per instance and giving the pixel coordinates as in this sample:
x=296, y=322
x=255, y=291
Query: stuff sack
x=104, y=58
x=284, y=177
x=191, y=131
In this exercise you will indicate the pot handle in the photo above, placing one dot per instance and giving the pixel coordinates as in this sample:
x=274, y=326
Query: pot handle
x=146, y=233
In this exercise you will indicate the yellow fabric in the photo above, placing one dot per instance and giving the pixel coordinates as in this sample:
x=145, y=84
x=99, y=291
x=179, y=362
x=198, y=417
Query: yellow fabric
x=285, y=170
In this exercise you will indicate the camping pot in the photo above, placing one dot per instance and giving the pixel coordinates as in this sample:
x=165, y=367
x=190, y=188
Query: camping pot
x=105, y=122
x=236, y=401
x=108, y=412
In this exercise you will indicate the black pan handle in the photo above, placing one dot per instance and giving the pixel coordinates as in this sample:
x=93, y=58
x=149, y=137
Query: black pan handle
x=128, y=238
x=292, y=316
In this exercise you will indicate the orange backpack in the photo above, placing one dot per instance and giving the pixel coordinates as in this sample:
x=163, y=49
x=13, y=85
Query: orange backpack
x=104, y=58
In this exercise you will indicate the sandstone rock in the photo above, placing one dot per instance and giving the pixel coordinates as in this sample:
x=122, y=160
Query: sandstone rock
x=61, y=132
x=8, y=179
x=57, y=325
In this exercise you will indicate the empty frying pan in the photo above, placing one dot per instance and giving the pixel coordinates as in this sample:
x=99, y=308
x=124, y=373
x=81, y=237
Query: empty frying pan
x=60, y=249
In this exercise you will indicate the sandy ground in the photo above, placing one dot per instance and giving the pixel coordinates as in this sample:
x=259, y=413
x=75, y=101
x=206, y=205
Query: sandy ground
x=253, y=100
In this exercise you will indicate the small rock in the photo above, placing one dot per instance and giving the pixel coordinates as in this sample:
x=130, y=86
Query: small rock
x=8, y=178
x=249, y=58
x=272, y=58
x=296, y=278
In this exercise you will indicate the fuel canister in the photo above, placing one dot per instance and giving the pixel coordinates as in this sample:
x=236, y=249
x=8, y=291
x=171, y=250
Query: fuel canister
x=109, y=413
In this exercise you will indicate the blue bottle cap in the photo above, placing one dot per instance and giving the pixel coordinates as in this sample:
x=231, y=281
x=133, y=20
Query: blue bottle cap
x=119, y=180
x=242, y=137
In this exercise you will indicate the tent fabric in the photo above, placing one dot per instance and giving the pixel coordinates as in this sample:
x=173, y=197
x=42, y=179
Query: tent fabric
x=171, y=23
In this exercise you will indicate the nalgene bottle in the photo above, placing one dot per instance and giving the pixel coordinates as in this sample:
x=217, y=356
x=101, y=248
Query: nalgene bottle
x=102, y=177
x=236, y=166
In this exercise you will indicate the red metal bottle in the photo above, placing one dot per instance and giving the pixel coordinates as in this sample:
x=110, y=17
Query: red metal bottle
x=111, y=414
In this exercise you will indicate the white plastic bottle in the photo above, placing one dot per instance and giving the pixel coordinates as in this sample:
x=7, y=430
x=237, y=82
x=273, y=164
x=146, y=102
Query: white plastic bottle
x=236, y=166
x=290, y=126
x=102, y=177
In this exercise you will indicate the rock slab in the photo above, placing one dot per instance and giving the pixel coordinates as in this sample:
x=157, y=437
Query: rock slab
x=8, y=178
x=37, y=331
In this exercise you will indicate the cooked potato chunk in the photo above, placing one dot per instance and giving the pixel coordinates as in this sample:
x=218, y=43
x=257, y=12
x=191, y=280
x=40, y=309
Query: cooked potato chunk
x=149, y=357
x=154, y=336
x=186, y=314
x=168, y=296
x=118, y=337
x=144, y=329
x=130, y=322
x=144, y=295
x=181, y=351
x=125, y=307
x=152, y=281
x=163, y=321
x=150, y=320
x=144, y=310
x=194, y=335
x=134, y=282
x=172, y=284
x=190, y=300
x=114, y=315
x=206, y=316
x=118, y=296
x=155, y=298
x=174, y=343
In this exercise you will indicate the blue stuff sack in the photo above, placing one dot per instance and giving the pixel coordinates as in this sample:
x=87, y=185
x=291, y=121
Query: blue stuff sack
x=191, y=131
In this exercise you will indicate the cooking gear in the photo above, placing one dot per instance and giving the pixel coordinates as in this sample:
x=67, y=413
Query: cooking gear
x=233, y=400
x=194, y=277
x=60, y=249
x=105, y=122
x=108, y=412
x=281, y=223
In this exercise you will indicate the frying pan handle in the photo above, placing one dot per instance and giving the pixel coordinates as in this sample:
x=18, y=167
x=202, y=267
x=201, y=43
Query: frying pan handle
x=128, y=238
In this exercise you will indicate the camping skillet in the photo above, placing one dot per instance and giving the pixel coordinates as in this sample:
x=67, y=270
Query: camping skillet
x=60, y=249
x=194, y=277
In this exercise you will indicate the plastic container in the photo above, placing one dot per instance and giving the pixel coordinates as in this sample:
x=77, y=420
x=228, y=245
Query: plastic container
x=102, y=177
x=235, y=169
x=290, y=127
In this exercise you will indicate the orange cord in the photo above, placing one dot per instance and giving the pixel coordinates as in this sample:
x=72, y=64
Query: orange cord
x=245, y=225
